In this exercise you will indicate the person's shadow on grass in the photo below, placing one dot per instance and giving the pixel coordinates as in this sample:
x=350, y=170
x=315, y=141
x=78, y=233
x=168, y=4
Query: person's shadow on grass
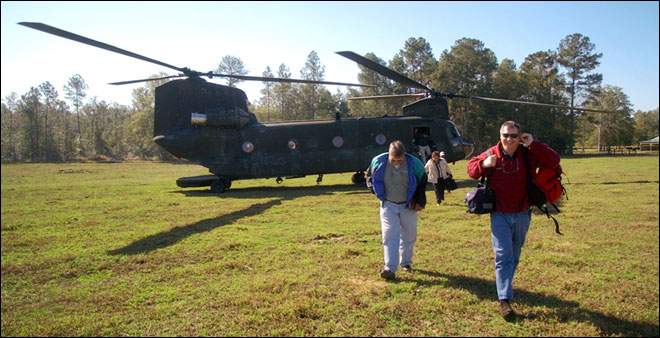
x=563, y=310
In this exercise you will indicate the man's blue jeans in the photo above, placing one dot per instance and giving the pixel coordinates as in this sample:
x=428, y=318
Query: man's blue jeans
x=399, y=230
x=508, y=232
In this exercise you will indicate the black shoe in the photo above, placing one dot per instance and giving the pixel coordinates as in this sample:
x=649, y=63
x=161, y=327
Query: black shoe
x=506, y=310
x=407, y=268
x=387, y=274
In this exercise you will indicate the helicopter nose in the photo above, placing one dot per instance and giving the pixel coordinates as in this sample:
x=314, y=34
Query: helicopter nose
x=466, y=146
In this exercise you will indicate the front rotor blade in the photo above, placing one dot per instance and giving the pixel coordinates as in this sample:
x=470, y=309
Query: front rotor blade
x=533, y=103
x=382, y=70
x=75, y=37
x=380, y=97
x=278, y=79
x=146, y=80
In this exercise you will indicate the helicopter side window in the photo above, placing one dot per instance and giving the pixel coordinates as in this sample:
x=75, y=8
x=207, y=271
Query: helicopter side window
x=381, y=139
x=292, y=144
x=247, y=147
x=338, y=141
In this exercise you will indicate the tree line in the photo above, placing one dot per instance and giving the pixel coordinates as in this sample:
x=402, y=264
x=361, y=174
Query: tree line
x=566, y=75
x=43, y=125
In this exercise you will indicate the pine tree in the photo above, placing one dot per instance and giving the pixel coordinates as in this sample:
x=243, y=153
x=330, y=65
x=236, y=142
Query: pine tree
x=231, y=65
x=576, y=54
x=75, y=92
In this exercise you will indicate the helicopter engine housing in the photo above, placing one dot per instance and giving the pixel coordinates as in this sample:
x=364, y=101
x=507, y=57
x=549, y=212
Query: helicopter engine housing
x=235, y=118
x=223, y=106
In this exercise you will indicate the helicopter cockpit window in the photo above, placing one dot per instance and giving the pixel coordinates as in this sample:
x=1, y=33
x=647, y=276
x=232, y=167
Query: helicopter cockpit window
x=452, y=131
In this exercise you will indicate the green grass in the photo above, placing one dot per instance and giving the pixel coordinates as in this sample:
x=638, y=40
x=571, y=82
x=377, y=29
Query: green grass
x=118, y=249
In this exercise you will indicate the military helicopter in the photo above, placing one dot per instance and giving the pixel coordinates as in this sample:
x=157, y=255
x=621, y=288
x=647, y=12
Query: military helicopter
x=210, y=124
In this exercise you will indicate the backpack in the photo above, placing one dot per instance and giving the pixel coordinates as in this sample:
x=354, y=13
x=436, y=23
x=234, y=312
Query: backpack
x=549, y=181
x=544, y=188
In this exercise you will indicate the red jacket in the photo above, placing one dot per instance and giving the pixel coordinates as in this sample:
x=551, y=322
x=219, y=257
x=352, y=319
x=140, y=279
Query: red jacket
x=509, y=176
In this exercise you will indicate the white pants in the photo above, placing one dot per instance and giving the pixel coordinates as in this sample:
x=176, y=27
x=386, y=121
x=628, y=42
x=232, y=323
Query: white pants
x=399, y=229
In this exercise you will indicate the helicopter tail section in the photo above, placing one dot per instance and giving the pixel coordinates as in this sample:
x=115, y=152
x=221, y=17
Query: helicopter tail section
x=190, y=112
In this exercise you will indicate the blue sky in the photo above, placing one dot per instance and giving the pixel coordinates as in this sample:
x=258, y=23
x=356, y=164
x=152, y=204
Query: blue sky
x=197, y=35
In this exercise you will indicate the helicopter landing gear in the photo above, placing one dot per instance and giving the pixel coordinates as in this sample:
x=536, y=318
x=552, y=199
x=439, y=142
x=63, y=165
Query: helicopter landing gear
x=220, y=185
x=319, y=179
x=279, y=180
x=358, y=178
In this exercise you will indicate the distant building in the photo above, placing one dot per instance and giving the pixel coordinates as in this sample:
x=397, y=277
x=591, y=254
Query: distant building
x=651, y=144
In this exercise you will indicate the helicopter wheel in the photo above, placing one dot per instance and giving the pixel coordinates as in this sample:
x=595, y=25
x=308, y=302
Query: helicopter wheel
x=358, y=178
x=221, y=185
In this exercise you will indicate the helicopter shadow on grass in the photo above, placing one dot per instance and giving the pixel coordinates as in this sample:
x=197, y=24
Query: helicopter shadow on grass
x=283, y=192
x=564, y=310
x=279, y=194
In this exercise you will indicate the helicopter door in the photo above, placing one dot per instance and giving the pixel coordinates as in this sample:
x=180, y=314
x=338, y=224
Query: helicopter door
x=423, y=144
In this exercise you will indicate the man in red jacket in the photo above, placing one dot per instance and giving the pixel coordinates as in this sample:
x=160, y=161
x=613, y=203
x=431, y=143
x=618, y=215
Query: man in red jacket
x=505, y=168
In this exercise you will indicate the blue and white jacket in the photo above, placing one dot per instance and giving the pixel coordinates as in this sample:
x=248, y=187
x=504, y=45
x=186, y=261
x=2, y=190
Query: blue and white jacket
x=416, y=178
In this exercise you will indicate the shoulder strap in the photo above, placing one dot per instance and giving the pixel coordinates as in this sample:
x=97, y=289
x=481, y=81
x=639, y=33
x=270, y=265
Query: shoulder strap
x=547, y=213
x=484, y=180
x=527, y=164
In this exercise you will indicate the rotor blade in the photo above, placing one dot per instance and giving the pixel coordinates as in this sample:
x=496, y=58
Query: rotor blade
x=379, y=97
x=278, y=79
x=75, y=37
x=146, y=80
x=382, y=70
x=533, y=103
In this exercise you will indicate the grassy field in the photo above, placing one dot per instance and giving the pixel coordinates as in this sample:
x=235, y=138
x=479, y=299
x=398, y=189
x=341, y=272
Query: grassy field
x=118, y=249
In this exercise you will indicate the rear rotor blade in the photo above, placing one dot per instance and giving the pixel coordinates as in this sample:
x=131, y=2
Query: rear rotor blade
x=146, y=80
x=533, y=103
x=278, y=79
x=382, y=70
x=79, y=38
x=380, y=97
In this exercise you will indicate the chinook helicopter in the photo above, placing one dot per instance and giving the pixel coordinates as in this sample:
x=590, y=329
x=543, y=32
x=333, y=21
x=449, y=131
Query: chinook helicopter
x=210, y=124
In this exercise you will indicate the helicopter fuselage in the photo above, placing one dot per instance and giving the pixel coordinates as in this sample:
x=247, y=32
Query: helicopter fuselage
x=209, y=124
x=298, y=148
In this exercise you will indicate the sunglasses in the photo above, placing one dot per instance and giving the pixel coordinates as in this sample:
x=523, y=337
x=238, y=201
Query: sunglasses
x=510, y=135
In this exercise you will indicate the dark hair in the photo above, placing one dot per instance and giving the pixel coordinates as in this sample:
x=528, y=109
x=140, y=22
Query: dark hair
x=511, y=124
x=397, y=149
